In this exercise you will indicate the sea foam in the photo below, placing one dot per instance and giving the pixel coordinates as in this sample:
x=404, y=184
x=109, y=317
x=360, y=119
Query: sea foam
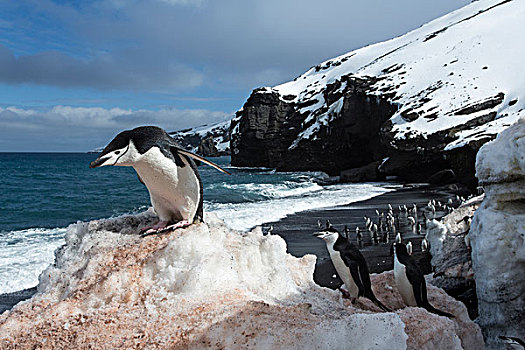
x=244, y=216
x=24, y=254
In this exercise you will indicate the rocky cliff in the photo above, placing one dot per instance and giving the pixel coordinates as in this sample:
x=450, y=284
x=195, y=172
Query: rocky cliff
x=417, y=104
x=207, y=140
x=497, y=235
x=207, y=286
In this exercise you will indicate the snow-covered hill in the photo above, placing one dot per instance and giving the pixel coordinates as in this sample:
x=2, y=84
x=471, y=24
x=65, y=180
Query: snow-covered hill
x=452, y=82
x=435, y=73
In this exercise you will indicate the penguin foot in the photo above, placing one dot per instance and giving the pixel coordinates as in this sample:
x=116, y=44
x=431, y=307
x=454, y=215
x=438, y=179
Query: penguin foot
x=160, y=226
x=346, y=294
x=180, y=224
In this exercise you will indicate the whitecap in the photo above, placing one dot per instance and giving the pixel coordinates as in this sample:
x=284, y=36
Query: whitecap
x=26, y=253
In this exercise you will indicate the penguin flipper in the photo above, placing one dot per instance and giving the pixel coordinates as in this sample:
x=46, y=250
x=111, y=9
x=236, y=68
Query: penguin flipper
x=367, y=285
x=354, y=271
x=199, y=158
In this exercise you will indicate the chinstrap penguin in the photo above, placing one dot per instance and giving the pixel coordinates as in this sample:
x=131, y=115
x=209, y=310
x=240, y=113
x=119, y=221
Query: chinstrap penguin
x=350, y=266
x=166, y=169
x=410, y=280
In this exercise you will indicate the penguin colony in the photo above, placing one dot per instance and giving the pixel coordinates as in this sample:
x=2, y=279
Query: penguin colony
x=166, y=169
x=352, y=267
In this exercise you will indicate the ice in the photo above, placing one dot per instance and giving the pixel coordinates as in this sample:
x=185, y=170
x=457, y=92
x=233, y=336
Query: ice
x=497, y=236
x=504, y=158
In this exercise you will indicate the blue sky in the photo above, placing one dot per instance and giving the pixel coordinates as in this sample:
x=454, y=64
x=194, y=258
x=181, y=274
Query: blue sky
x=75, y=73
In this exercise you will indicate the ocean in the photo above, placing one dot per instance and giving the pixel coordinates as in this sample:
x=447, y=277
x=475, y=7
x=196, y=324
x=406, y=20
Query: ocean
x=43, y=193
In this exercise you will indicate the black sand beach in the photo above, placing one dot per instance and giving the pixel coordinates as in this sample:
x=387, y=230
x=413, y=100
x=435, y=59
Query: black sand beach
x=297, y=229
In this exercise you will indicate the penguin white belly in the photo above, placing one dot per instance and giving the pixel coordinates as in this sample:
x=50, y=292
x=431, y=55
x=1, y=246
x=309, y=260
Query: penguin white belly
x=403, y=284
x=174, y=191
x=344, y=273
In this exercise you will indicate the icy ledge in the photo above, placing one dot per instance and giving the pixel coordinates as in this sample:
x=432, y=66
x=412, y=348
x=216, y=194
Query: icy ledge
x=209, y=286
x=497, y=236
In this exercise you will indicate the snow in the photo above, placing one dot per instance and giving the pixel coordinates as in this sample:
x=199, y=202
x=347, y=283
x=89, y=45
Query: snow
x=322, y=119
x=217, y=130
x=203, y=130
x=210, y=286
x=468, y=55
x=504, y=157
x=497, y=236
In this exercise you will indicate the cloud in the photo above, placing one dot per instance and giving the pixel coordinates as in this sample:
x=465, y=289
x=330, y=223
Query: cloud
x=101, y=72
x=183, y=44
x=185, y=2
x=82, y=128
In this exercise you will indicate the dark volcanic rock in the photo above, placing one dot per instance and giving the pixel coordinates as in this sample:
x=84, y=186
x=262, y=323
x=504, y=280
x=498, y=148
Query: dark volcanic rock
x=264, y=130
x=443, y=177
x=363, y=174
x=205, y=139
x=207, y=147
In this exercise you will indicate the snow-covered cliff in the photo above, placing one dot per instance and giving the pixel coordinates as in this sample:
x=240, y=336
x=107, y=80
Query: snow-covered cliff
x=207, y=140
x=498, y=236
x=446, y=87
x=209, y=286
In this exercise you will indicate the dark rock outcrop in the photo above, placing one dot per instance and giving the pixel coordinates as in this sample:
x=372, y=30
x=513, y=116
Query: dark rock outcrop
x=359, y=134
x=443, y=177
x=207, y=147
x=263, y=130
x=363, y=174
x=266, y=127
x=208, y=141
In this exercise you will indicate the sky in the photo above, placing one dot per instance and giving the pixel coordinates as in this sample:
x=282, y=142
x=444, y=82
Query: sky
x=75, y=73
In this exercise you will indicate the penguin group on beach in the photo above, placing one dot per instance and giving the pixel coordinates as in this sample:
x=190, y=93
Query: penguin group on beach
x=166, y=169
x=351, y=265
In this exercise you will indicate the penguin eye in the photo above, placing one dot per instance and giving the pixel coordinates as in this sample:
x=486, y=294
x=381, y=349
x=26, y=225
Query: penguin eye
x=117, y=152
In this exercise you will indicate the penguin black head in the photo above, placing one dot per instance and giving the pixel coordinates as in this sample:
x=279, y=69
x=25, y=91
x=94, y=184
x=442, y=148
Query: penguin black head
x=127, y=145
x=399, y=248
x=329, y=234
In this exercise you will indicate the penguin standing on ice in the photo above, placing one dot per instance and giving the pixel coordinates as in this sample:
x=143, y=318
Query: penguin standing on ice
x=410, y=280
x=167, y=170
x=350, y=265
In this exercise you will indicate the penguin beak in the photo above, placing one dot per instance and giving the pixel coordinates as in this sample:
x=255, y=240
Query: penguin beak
x=98, y=162
x=319, y=234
